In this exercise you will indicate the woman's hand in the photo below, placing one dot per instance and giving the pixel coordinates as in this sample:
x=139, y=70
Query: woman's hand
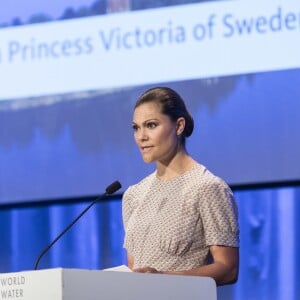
x=223, y=270
x=146, y=270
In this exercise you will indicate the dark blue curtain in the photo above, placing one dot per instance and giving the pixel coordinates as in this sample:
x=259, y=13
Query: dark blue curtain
x=270, y=237
x=94, y=242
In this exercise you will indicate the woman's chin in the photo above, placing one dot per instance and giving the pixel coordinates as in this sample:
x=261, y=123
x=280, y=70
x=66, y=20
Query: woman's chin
x=147, y=160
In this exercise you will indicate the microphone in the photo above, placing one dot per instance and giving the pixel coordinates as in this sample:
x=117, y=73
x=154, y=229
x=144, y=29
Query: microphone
x=112, y=188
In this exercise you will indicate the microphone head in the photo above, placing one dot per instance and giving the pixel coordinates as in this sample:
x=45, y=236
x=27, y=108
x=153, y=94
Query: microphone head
x=112, y=188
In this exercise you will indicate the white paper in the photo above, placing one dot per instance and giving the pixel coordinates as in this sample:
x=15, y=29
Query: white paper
x=121, y=268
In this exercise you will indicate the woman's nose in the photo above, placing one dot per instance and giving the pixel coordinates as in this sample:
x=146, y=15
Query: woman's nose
x=141, y=135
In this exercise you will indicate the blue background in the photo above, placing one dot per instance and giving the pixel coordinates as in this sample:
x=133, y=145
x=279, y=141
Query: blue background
x=246, y=131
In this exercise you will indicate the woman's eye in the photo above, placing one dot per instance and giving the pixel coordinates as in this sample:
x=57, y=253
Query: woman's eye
x=151, y=125
x=134, y=127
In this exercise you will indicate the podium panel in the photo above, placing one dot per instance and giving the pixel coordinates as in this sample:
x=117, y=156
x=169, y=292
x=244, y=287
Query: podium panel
x=75, y=284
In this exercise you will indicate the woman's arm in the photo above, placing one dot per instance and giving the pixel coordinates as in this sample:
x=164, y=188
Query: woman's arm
x=223, y=270
x=130, y=261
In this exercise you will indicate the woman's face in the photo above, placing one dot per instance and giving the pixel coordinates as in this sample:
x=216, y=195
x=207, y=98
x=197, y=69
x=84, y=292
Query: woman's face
x=155, y=133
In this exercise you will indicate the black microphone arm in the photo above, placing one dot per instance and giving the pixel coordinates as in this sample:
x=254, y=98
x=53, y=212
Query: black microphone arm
x=112, y=188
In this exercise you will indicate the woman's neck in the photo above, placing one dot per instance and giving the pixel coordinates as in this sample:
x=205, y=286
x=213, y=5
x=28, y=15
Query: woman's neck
x=180, y=164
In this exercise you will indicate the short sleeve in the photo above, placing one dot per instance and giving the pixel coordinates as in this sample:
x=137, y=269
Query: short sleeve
x=219, y=214
x=127, y=208
x=127, y=211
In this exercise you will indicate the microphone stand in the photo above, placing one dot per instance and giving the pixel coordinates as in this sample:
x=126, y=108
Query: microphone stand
x=109, y=190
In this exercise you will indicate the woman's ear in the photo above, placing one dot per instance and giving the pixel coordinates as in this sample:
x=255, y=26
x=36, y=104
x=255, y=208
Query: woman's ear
x=180, y=125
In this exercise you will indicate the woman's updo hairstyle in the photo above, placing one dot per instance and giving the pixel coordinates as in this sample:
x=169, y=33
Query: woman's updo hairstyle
x=171, y=105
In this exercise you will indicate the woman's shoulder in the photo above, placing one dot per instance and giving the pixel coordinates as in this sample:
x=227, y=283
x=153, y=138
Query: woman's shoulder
x=206, y=179
x=140, y=186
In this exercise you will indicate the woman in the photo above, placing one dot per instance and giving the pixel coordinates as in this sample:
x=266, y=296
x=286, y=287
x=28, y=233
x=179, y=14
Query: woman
x=181, y=219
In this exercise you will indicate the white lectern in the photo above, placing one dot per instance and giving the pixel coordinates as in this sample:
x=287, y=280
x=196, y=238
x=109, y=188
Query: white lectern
x=78, y=284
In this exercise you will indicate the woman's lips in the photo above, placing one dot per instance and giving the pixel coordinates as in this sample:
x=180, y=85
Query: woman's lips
x=145, y=149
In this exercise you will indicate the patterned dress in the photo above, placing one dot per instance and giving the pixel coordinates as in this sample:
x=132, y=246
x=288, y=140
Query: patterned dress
x=170, y=225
